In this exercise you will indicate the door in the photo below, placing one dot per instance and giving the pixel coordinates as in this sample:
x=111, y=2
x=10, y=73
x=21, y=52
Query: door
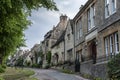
x=77, y=62
x=94, y=52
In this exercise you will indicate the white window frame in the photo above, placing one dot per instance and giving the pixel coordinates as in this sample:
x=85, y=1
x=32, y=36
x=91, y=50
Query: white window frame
x=91, y=17
x=110, y=7
x=113, y=5
x=116, y=43
x=111, y=45
x=80, y=29
x=107, y=10
x=106, y=46
x=77, y=31
x=89, y=20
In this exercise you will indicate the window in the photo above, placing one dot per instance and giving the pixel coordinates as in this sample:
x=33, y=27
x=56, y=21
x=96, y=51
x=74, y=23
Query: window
x=110, y=7
x=68, y=36
x=113, y=5
x=63, y=57
x=91, y=17
x=112, y=44
x=116, y=43
x=107, y=4
x=79, y=31
x=106, y=46
x=70, y=55
x=47, y=43
x=79, y=56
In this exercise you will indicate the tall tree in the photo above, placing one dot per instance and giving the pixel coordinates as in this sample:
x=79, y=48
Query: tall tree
x=13, y=21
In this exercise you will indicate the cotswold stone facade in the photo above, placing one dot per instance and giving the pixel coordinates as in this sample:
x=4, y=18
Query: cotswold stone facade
x=63, y=49
x=69, y=40
x=34, y=54
x=52, y=37
x=97, y=35
x=58, y=52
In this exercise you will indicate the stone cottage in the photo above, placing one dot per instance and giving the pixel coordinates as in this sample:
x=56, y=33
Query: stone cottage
x=53, y=35
x=69, y=42
x=58, y=52
x=63, y=49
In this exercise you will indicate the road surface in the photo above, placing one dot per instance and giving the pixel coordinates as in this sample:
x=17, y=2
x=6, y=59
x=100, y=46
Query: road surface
x=50, y=74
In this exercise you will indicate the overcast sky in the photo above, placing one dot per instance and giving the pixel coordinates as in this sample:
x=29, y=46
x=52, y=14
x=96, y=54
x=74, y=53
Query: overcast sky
x=44, y=20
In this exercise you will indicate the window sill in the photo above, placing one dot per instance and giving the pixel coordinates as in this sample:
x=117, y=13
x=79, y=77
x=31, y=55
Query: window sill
x=106, y=17
x=90, y=31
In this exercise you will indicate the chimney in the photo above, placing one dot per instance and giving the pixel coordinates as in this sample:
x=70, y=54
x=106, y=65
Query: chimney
x=81, y=7
x=53, y=27
x=63, y=18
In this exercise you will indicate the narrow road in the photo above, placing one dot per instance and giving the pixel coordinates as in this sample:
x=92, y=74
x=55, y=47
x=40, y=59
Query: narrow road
x=50, y=74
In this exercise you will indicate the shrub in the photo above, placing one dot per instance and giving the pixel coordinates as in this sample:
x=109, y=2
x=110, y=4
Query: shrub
x=67, y=71
x=19, y=62
x=114, y=68
x=46, y=66
x=4, y=66
x=2, y=69
x=1, y=78
x=35, y=65
x=27, y=63
x=97, y=78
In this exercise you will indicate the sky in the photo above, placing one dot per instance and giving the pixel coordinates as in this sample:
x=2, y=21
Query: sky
x=43, y=20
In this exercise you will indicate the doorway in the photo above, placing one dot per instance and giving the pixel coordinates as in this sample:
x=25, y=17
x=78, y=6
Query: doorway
x=93, y=51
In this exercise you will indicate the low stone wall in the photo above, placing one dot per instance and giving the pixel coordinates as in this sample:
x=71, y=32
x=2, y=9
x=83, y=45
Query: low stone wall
x=100, y=70
x=70, y=67
x=85, y=67
x=96, y=70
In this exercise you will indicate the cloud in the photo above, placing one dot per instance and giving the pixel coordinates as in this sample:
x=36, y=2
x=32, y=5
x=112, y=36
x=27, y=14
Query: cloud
x=43, y=20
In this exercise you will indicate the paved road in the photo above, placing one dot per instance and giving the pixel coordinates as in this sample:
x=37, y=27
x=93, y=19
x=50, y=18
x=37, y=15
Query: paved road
x=50, y=74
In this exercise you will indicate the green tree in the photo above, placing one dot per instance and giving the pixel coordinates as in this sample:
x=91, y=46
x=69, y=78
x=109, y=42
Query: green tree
x=13, y=21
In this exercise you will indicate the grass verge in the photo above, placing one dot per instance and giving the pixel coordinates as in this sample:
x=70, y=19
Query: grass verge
x=67, y=71
x=17, y=74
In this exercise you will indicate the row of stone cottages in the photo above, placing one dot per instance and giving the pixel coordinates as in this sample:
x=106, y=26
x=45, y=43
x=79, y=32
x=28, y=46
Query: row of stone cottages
x=91, y=38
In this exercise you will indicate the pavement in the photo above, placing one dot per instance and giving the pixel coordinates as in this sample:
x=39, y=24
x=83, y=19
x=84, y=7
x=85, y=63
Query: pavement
x=50, y=74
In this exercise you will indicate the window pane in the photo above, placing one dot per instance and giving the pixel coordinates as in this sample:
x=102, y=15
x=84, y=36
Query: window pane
x=106, y=46
x=116, y=43
x=80, y=31
x=107, y=5
x=91, y=16
x=111, y=45
x=89, y=22
x=77, y=30
x=113, y=4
